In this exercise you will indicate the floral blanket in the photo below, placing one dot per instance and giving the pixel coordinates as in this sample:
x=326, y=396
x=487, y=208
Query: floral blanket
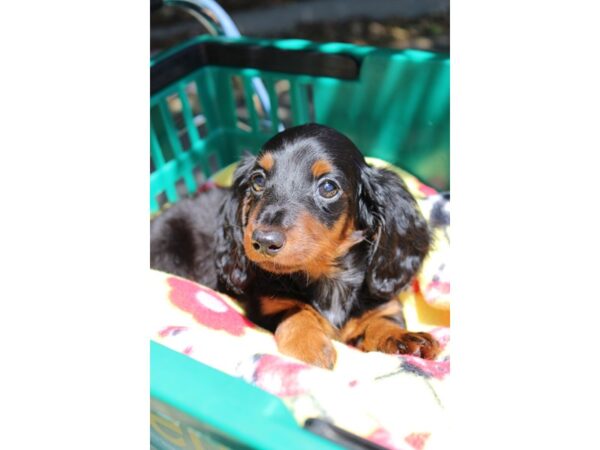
x=395, y=401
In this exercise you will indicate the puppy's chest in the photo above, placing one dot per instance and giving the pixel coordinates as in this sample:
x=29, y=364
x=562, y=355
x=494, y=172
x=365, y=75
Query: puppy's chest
x=335, y=297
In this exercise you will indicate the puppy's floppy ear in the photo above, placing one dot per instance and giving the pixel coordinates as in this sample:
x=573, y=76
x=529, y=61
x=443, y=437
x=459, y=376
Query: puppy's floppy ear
x=233, y=267
x=393, y=222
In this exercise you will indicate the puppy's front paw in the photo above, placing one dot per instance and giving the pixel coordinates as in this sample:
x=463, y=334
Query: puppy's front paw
x=313, y=347
x=386, y=337
x=423, y=345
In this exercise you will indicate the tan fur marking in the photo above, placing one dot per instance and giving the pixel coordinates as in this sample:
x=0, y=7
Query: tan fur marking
x=356, y=326
x=266, y=161
x=276, y=305
x=321, y=167
x=302, y=333
x=328, y=243
x=310, y=246
x=245, y=207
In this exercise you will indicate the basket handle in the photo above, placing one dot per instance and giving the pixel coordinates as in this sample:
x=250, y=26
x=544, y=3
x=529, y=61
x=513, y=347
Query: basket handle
x=249, y=54
x=223, y=25
x=217, y=21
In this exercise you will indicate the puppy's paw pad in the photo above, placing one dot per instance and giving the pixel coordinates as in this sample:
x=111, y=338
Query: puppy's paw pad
x=423, y=345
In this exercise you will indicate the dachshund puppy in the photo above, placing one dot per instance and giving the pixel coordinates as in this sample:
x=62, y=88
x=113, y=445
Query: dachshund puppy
x=315, y=243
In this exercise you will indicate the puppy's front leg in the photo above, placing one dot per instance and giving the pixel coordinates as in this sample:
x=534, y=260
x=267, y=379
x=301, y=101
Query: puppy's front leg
x=300, y=331
x=382, y=329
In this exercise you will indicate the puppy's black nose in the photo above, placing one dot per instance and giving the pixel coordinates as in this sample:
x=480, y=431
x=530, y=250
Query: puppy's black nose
x=267, y=242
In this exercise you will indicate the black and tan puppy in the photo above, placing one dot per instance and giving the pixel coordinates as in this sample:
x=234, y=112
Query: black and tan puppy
x=314, y=242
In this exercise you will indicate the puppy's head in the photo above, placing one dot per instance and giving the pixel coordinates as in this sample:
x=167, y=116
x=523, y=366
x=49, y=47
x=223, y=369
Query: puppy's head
x=306, y=199
x=299, y=208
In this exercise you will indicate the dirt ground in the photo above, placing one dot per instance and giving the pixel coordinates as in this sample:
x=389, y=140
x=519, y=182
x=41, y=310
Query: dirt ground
x=170, y=26
x=426, y=33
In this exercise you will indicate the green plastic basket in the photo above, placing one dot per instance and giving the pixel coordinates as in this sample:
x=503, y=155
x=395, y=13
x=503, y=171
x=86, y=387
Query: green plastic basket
x=196, y=407
x=206, y=111
x=394, y=105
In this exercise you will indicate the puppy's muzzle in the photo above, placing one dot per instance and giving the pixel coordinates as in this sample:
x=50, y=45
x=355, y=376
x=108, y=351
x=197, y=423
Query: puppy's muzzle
x=268, y=242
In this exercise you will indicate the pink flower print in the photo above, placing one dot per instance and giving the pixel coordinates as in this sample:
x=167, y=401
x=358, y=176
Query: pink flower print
x=177, y=337
x=442, y=335
x=381, y=437
x=279, y=376
x=435, y=288
x=426, y=368
x=417, y=440
x=427, y=190
x=206, y=307
x=171, y=331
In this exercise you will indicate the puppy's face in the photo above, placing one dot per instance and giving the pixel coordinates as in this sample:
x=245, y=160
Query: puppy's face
x=305, y=200
x=299, y=205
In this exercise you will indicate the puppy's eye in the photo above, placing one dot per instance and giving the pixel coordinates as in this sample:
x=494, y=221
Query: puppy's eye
x=258, y=182
x=328, y=189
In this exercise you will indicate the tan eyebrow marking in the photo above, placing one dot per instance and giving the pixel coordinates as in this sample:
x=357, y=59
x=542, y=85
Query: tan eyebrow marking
x=266, y=161
x=321, y=167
